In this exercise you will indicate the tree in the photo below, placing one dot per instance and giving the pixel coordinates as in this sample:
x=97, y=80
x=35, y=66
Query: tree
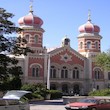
x=103, y=60
x=9, y=71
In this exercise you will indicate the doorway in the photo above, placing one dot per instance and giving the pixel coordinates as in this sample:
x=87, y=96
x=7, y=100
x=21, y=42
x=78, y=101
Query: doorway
x=76, y=89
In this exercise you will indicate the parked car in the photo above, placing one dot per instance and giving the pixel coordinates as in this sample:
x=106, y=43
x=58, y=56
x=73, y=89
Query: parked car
x=90, y=104
x=12, y=101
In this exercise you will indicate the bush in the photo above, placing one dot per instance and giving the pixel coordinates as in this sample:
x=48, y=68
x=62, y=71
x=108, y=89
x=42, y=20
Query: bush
x=38, y=91
x=55, y=94
x=103, y=92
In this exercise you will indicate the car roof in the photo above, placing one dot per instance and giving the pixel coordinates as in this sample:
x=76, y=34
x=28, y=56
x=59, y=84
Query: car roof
x=15, y=94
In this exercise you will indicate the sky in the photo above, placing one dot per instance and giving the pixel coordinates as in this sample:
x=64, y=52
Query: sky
x=63, y=17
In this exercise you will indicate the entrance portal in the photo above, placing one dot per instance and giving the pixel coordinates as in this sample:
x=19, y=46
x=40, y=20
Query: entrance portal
x=76, y=89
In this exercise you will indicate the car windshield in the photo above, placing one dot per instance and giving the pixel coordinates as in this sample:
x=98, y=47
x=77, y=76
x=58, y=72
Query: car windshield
x=88, y=100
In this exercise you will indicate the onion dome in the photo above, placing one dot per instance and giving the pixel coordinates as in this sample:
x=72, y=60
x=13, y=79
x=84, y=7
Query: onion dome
x=89, y=27
x=30, y=20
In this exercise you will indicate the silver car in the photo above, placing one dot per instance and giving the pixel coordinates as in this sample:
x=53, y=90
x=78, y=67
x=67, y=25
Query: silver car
x=11, y=101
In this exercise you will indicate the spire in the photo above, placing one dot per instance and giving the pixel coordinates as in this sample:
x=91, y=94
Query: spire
x=31, y=6
x=89, y=15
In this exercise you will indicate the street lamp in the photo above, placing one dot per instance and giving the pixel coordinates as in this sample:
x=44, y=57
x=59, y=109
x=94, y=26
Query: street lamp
x=48, y=73
x=47, y=69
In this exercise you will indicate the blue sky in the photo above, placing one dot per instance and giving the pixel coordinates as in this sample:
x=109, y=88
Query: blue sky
x=63, y=17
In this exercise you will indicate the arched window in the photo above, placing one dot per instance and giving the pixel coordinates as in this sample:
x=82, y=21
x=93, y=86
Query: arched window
x=75, y=73
x=96, y=45
x=27, y=37
x=53, y=72
x=64, y=72
x=98, y=74
x=36, y=39
x=81, y=45
x=36, y=71
x=88, y=45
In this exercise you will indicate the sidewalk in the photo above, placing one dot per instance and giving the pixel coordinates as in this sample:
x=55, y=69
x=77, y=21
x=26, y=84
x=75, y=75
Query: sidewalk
x=48, y=105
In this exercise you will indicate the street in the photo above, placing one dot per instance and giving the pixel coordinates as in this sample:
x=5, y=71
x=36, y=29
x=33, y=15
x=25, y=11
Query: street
x=47, y=105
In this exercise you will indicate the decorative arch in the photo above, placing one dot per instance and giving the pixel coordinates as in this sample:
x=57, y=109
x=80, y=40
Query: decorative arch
x=96, y=44
x=67, y=65
x=64, y=72
x=97, y=74
x=76, y=71
x=36, y=38
x=27, y=37
x=97, y=68
x=56, y=65
x=79, y=66
x=89, y=44
x=35, y=70
x=81, y=45
x=35, y=64
x=53, y=71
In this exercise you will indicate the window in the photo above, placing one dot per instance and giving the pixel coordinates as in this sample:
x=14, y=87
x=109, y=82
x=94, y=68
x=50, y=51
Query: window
x=75, y=73
x=98, y=74
x=81, y=45
x=96, y=45
x=64, y=72
x=36, y=39
x=35, y=71
x=53, y=72
x=27, y=38
x=88, y=45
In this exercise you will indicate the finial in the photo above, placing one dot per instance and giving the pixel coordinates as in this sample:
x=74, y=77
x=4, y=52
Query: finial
x=89, y=15
x=31, y=6
x=66, y=36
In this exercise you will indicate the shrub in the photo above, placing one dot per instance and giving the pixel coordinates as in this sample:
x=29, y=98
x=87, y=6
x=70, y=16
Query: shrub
x=55, y=94
x=38, y=91
x=103, y=92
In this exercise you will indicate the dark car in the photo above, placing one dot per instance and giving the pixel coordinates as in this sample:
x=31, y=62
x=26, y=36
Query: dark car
x=90, y=104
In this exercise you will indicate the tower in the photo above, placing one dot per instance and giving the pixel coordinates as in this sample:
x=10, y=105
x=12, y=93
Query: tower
x=89, y=39
x=32, y=31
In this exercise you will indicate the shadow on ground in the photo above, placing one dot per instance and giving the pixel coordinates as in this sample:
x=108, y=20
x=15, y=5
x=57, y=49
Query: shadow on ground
x=48, y=102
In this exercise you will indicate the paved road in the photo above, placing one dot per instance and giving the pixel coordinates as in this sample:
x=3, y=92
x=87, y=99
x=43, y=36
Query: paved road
x=47, y=105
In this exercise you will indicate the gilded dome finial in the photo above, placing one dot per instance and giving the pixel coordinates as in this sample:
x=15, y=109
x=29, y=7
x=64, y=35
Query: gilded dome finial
x=89, y=15
x=31, y=6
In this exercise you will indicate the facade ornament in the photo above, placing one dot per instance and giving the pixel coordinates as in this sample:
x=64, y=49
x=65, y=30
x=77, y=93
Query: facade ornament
x=66, y=57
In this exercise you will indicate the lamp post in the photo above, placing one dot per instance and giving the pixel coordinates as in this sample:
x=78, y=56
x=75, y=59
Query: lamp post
x=48, y=73
x=47, y=69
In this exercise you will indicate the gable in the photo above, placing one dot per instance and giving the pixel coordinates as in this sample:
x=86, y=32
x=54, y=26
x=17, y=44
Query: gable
x=66, y=55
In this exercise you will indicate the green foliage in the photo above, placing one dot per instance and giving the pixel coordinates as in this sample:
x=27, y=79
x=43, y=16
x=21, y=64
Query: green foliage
x=39, y=91
x=9, y=71
x=12, y=84
x=55, y=94
x=103, y=60
x=103, y=92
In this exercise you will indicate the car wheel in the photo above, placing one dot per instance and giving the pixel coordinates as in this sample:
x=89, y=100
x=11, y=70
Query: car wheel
x=93, y=109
